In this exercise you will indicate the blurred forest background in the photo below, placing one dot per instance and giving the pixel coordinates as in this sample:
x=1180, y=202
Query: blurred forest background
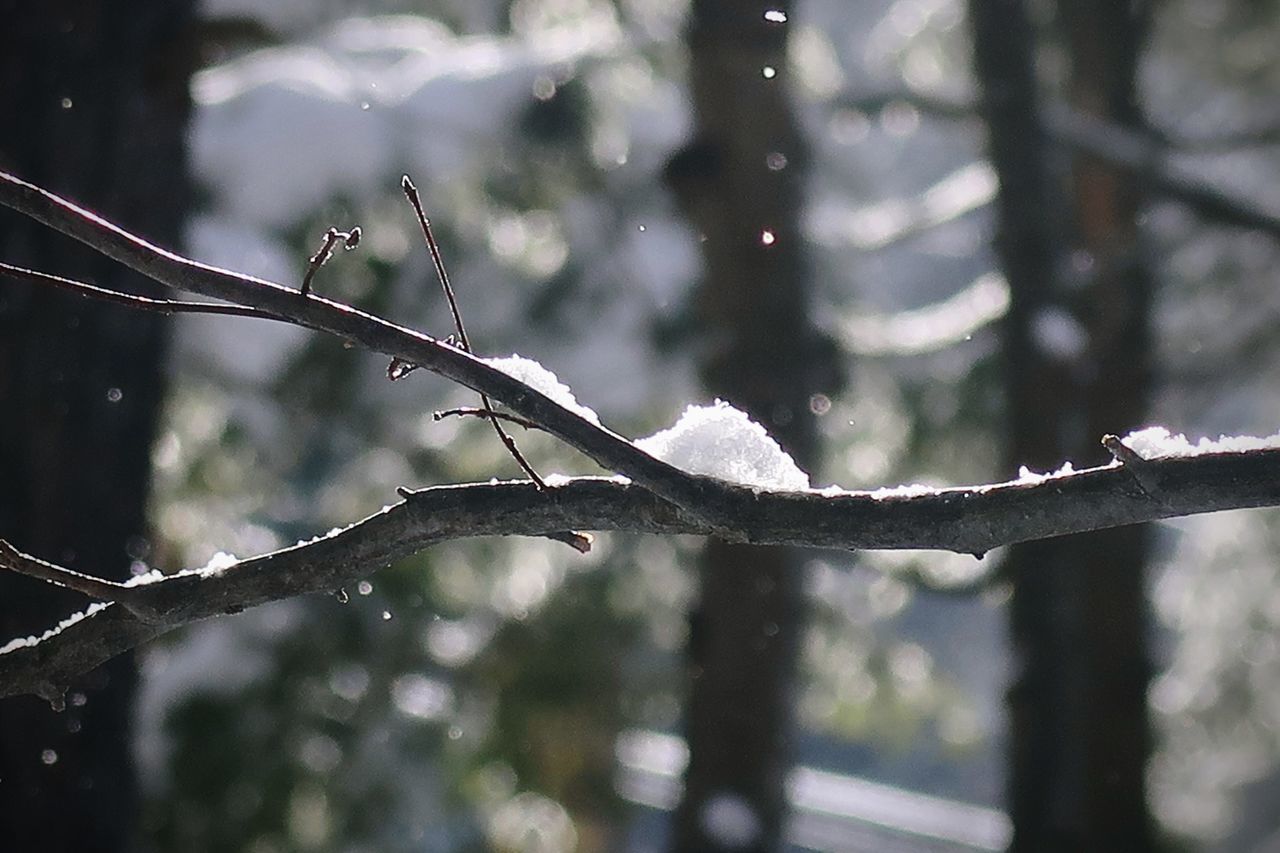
x=921, y=241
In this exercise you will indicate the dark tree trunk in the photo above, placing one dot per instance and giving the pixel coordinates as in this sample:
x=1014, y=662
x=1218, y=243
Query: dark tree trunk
x=93, y=103
x=1076, y=354
x=739, y=181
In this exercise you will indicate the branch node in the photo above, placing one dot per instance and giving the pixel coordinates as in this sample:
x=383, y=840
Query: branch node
x=349, y=239
x=1133, y=462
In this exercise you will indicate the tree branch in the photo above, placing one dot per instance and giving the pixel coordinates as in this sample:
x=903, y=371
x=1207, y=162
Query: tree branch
x=1121, y=147
x=967, y=520
x=662, y=499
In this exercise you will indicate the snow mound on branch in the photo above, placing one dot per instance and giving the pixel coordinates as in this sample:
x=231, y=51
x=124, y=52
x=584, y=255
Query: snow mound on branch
x=721, y=441
x=536, y=376
x=1158, y=442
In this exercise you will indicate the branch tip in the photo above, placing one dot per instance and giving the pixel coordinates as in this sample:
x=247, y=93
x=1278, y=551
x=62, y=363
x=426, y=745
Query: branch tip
x=578, y=541
x=398, y=368
x=56, y=696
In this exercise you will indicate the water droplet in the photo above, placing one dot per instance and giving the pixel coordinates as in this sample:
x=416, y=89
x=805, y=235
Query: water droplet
x=455, y=732
x=49, y=756
x=386, y=616
x=775, y=16
x=819, y=404
x=67, y=103
x=114, y=395
x=776, y=161
x=641, y=227
x=364, y=105
x=364, y=588
x=769, y=72
x=544, y=88
x=767, y=238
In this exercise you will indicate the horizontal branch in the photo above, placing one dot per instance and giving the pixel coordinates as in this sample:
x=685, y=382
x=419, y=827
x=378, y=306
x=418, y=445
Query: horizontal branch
x=967, y=520
x=1148, y=161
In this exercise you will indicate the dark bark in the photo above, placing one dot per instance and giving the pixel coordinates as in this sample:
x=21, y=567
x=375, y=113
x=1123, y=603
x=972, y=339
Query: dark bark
x=93, y=100
x=739, y=181
x=1079, y=734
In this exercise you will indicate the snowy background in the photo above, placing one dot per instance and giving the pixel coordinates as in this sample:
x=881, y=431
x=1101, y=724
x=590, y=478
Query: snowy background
x=483, y=693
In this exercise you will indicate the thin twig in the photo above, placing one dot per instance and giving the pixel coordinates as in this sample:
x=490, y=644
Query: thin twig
x=411, y=192
x=25, y=564
x=349, y=239
x=467, y=411
x=145, y=303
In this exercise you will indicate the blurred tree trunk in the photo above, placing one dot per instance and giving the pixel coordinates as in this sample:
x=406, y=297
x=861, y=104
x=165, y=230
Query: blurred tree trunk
x=739, y=181
x=1076, y=353
x=93, y=104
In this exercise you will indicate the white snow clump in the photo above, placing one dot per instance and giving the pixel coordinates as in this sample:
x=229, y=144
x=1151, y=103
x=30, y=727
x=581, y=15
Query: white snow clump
x=536, y=376
x=721, y=441
x=1026, y=475
x=1158, y=442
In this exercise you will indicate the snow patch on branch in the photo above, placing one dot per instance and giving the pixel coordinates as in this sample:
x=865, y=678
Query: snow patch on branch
x=218, y=564
x=721, y=441
x=1026, y=475
x=24, y=642
x=1159, y=443
x=536, y=376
